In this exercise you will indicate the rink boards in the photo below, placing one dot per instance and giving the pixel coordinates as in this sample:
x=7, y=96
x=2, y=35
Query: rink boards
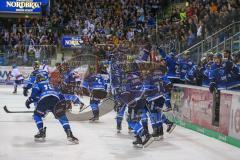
x=193, y=107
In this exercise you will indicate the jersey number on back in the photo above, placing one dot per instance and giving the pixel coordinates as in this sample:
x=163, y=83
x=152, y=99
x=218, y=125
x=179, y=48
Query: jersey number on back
x=48, y=87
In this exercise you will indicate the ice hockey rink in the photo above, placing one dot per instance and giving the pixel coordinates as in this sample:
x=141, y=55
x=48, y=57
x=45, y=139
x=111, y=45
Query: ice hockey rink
x=97, y=141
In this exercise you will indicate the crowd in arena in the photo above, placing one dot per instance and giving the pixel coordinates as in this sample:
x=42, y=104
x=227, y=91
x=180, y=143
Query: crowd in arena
x=196, y=22
x=26, y=40
x=115, y=22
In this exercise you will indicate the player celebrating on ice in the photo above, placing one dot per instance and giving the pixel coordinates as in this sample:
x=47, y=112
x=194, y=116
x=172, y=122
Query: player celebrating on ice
x=48, y=100
x=18, y=77
x=135, y=101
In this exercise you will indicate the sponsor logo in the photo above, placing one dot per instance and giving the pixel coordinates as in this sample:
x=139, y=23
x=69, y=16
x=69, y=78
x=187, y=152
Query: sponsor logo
x=4, y=74
x=222, y=137
x=73, y=42
x=23, y=4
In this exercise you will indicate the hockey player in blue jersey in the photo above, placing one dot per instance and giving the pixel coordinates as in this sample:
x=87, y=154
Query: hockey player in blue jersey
x=222, y=75
x=171, y=63
x=210, y=61
x=97, y=87
x=120, y=108
x=117, y=78
x=198, y=74
x=136, y=104
x=184, y=65
x=48, y=100
x=32, y=77
x=158, y=93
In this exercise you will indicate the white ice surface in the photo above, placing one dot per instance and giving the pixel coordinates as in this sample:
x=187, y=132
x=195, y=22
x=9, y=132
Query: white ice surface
x=97, y=141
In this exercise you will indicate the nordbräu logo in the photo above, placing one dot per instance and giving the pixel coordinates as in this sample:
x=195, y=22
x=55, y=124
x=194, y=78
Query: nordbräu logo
x=23, y=4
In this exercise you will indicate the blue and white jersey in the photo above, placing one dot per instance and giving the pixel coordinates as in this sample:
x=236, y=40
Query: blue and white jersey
x=33, y=75
x=134, y=81
x=117, y=75
x=200, y=73
x=171, y=64
x=218, y=76
x=131, y=88
x=94, y=82
x=151, y=89
x=221, y=79
x=184, y=66
x=41, y=90
x=192, y=74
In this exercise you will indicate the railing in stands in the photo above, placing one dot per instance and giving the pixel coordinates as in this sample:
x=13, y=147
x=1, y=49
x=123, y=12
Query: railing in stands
x=224, y=39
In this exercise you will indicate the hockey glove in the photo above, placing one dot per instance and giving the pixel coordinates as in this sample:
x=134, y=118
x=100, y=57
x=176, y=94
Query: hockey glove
x=212, y=87
x=28, y=102
x=25, y=91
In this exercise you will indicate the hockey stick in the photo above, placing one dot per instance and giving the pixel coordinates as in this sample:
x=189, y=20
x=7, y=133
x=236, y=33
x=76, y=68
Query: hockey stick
x=84, y=108
x=7, y=111
x=90, y=105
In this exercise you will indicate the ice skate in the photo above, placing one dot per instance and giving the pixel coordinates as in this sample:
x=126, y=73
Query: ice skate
x=170, y=127
x=95, y=116
x=138, y=142
x=93, y=119
x=15, y=91
x=119, y=128
x=40, y=137
x=148, y=139
x=71, y=138
x=157, y=134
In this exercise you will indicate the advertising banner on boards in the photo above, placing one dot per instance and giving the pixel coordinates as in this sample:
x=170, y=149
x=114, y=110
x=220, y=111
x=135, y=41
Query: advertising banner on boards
x=234, y=127
x=5, y=72
x=195, y=105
